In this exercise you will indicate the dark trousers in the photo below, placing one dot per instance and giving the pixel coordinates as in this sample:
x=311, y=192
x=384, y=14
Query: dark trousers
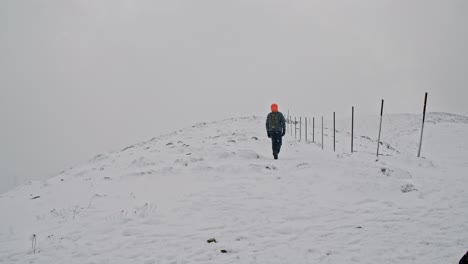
x=276, y=142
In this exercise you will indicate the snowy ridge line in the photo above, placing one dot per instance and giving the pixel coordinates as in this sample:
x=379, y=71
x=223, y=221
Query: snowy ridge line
x=162, y=137
x=410, y=126
x=197, y=125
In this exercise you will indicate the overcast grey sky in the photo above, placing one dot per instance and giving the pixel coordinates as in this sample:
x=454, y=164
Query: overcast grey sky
x=82, y=77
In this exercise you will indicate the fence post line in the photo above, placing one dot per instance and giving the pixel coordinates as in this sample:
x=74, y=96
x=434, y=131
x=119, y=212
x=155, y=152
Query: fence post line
x=305, y=130
x=422, y=126
x=313, y=129
x=352, y=128
x=322, y=132
x=310, y=123
x=300, y=128
x=380, y=127
x=295, y=128
x=291, y=125
x=334, y=140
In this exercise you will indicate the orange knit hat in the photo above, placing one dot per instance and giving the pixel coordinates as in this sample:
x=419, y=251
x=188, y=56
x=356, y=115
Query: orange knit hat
x=274, y=107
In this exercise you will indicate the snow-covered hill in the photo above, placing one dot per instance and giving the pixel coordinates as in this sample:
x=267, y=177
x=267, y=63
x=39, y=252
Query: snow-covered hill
x=161, y=200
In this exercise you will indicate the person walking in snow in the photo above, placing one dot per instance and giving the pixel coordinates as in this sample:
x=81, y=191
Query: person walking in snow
x=276, y=129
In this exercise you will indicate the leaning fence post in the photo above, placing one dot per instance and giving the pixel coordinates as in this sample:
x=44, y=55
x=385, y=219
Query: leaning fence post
x=352, y=128
x=422, y=126
x=322, y=132
x=380, y=127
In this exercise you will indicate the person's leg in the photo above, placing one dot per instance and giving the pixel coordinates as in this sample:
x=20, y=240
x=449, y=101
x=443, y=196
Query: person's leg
x=276, y=138
x=279, y=143
x=273, y=144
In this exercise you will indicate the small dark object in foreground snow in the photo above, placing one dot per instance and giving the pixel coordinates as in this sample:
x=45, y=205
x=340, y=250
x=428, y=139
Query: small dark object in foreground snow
x=385, y=171
x=106, y=178
x=223, y=251
x=359, y=227
x=211, y=240
x=255, y=138
x=408, y=188
x=35, y=197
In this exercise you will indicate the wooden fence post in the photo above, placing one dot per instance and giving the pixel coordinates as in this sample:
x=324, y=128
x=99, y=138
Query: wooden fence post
x=306, y=130
x=313, y=129
x=322, y=132
x=352, y=128
x=422, y=126
x=334, y=139
x=380, y=127
x=295, y=128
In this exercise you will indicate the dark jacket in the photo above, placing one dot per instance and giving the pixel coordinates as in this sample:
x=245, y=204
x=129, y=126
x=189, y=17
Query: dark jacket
x=282, y=124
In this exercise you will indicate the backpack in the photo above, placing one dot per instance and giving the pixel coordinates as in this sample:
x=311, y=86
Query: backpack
x=274, y=121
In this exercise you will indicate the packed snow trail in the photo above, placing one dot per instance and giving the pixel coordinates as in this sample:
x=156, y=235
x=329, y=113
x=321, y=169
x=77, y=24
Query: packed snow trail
x=161, y=200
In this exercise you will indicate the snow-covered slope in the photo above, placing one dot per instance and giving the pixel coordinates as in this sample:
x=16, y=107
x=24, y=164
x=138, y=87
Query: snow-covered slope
x=161, y=200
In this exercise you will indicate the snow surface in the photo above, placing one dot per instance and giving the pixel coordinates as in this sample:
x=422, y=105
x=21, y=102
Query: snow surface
x=161, y=200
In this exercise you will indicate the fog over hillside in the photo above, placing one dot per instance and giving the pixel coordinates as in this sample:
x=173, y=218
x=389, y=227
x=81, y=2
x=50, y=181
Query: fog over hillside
x=83, y=77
